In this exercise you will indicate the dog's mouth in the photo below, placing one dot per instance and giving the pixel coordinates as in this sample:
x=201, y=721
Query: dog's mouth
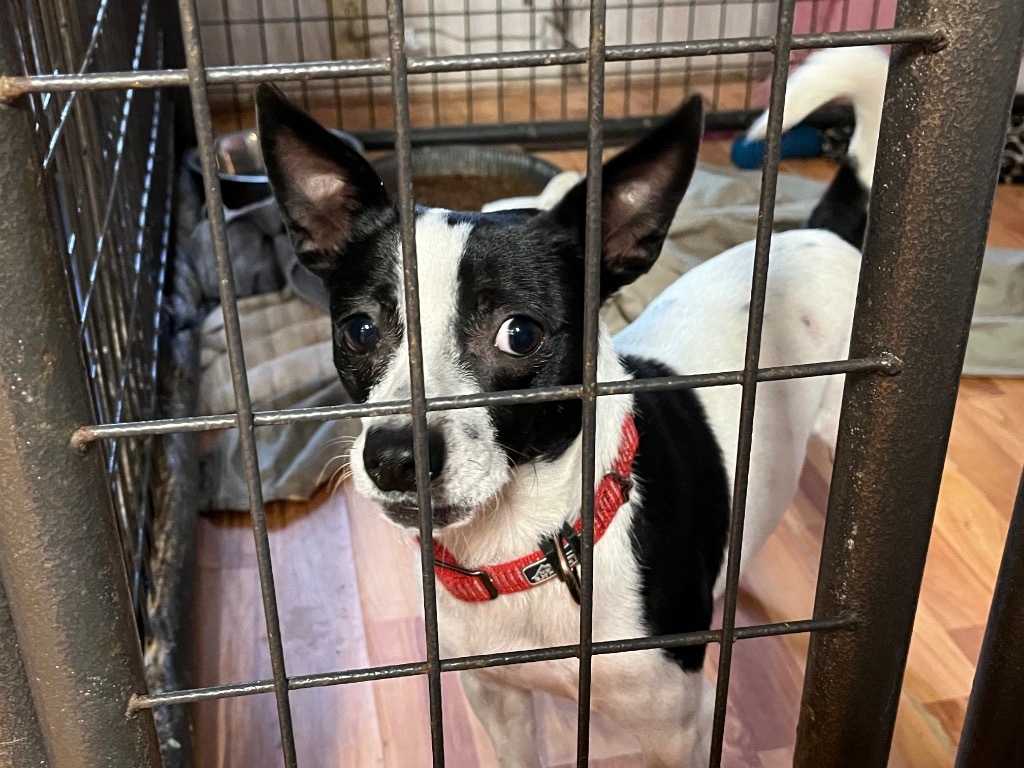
x=406, y=513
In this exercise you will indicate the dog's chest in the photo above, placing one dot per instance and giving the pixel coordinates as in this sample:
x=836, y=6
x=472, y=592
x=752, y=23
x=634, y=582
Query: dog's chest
x=546, y=616
x=551, y=618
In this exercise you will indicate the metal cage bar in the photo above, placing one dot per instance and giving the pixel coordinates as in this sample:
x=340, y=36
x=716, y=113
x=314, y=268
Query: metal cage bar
x=933, y=188
x=881, y=363
x=459, y=664
x=987, y=738
x=407, y=223
x=61, y=556
x=239, y=375
x=751, y=360
x=593, y=238
x=356, y=68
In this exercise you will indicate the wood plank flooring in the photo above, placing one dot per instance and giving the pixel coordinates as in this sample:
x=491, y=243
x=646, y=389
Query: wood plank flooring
x=348, y=598
x=355, y=108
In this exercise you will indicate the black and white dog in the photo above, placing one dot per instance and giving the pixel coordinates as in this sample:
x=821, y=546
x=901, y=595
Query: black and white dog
x=502, y=297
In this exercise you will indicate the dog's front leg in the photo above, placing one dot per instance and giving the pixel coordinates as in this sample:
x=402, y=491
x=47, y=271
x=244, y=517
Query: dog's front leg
x=672, y=722
x=507, y=716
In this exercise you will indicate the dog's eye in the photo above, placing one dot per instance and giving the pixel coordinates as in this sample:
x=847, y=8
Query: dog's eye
x=519, y=336
x=360, y=333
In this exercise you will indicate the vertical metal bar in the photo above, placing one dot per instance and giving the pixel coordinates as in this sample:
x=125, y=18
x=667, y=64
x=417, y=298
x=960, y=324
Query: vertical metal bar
x=688, y=65
x=236, y=358
x=752, y=355
x=716, y=80
x=659, y=36
x=467, y=35
x=844, y=19
x=403, y=153
x=261, y=27
x=60, y=557
x=751, y=57
x=21, y=743
x=499, y=33
x=987, y=738
x=435, y=82
x=533, y=70
x=941, y=137
x=591, y=307
x=175, y=498
x=371, y=92
x=627, y=69
x=229, y=49
x=876, y=7
x=300, y=51
x=335, y=36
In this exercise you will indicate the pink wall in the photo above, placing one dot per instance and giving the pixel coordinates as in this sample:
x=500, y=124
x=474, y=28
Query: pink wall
x=838, y=15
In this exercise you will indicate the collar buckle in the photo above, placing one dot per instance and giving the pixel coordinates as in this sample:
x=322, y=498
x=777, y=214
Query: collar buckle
x=482, y=576
x=562, y=551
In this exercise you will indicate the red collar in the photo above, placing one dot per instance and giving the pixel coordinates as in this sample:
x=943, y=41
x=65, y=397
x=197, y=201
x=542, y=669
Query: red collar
x=550, y=560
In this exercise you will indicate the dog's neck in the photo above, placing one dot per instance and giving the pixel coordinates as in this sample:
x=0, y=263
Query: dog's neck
x=543, y=494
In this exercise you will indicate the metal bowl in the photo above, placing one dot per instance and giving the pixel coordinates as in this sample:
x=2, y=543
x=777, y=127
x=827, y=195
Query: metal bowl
x=243, y=179
x=461, y=177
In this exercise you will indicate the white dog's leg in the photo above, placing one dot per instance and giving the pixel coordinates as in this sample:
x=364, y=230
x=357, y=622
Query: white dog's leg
x=507, y=716
x=700, y=752
x=672, y=722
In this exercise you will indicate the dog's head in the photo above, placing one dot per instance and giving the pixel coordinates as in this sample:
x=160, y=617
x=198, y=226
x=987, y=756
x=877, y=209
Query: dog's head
x=501, y=297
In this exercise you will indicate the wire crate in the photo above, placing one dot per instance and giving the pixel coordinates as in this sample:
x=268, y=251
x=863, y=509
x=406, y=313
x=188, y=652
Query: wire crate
x=90, y=100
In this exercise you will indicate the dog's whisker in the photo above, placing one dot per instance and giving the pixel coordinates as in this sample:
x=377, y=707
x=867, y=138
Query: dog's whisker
x=339, y=457
x=339, y=477
x=516, y=465
x=344, y=471
x=342, y=457
x=343, y=440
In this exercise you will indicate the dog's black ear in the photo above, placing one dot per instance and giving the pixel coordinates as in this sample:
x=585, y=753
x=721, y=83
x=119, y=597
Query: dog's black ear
x=321, y=184
x=641, y=190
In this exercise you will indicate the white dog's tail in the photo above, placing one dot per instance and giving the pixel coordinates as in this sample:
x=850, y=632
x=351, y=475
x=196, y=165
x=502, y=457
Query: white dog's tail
x=857, y=75
x=854, y=74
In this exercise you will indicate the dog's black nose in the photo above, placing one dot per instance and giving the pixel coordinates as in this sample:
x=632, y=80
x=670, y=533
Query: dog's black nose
x=388, y=457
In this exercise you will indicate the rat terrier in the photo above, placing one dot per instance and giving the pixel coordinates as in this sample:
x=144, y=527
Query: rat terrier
x=502, y=309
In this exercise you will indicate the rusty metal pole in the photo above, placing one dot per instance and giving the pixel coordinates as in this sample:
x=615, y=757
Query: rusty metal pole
x=992, y=733
x=60, y=558
x=941, y=137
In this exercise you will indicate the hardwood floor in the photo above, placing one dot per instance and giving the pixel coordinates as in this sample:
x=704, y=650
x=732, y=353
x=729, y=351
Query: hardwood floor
x=349, y=598
x=359, y=108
